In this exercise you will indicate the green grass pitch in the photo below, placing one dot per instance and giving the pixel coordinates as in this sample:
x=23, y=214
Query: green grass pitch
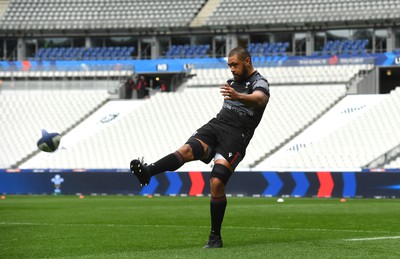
x=178, y=227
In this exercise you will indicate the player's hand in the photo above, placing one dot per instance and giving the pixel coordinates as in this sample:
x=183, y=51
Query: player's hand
x=228, y=92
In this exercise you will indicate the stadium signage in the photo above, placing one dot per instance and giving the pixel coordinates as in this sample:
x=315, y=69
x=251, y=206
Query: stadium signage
x=313, y=62
x=355, y=60
x=109, y=117
x=328, y=61
x=162, y=67
x=188, y=66
x=184, y=65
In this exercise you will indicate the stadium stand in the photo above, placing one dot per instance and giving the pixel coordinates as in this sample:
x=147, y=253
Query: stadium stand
x=285, y=75
x=268, y=49
x=100, y=14
x=26, y=112
x=188, y=51
x=290, y=111
x=96, y=53
x=68, y=70
x=120, y=14
x=252, y=12
x=345, y=47
x=302, y=93
x=355, y=144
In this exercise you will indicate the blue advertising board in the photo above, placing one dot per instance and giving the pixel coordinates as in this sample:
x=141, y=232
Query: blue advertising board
x=185, y=65
x=262, y=184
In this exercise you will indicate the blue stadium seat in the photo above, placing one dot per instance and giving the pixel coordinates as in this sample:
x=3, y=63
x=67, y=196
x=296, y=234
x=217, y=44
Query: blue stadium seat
x=266, y=49
x=78, y=53
x=345, y=47
x=185, y=51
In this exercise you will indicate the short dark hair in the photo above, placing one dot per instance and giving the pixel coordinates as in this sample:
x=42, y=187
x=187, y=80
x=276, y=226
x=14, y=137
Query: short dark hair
x=242, y=53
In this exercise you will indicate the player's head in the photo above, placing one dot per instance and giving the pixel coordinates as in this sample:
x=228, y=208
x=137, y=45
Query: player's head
x=239, y=61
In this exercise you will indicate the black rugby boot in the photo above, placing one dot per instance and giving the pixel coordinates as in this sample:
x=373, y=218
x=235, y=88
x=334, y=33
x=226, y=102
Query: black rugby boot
x=141, y=171
x=214, y=241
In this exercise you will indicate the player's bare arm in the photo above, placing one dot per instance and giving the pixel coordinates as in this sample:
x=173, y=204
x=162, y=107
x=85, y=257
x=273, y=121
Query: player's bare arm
x=256, y=99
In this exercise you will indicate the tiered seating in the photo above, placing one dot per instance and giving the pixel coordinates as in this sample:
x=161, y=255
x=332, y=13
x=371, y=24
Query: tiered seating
x=290, y=110
x=81, y=70
x=99, y=14
x=188, y=51
x=164, y=122
x=275, y=12
x=121, y=14
x=344, y=47
x=284, y=75
x=95, y=53
x=148, y=131
x=354, y=144
x=268, y=49
x=26, y=113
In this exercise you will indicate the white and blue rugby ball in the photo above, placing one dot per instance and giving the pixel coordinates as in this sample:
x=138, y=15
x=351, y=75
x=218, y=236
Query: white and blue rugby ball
x=49, y=142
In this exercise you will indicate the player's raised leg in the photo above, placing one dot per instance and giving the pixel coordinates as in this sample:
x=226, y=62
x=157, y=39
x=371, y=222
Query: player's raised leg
x=193, y=149
x=144, y=172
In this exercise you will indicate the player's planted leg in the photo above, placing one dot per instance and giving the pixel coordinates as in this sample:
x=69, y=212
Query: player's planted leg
x=219, y=177
x=217, y=211
x=214, y=241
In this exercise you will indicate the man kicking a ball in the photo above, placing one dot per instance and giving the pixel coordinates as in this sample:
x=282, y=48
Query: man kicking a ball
x=224, y=138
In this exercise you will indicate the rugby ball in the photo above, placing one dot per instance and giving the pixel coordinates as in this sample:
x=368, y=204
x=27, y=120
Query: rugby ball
x=49, y=142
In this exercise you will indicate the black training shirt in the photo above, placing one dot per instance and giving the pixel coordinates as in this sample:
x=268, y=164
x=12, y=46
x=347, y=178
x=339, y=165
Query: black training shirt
x=235, y=113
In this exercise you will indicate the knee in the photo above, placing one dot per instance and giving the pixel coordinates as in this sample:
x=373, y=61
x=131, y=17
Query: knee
x=219, y=178
x=187, y=152
x=216, y=182
x=217, y=187
x=221, y=172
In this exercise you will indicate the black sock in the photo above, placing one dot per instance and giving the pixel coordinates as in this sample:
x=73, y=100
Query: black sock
x=217, y=210
x=170, y=162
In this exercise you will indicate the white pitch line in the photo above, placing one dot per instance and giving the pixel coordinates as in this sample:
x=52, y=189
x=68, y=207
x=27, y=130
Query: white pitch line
x=372, y=238
x=183, y=226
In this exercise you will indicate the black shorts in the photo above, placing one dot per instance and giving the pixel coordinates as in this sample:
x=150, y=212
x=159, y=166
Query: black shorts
x=227, y=141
